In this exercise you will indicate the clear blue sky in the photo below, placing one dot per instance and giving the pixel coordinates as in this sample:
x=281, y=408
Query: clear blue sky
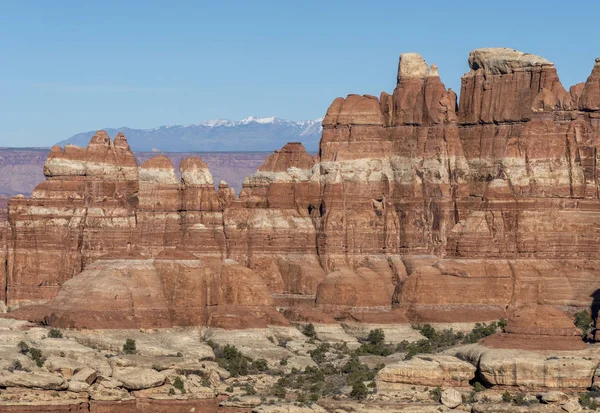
x=73, y=66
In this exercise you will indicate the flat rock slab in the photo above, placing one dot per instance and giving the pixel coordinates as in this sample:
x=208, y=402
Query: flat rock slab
x=530, y=369
x=33, y=380
x=431, y=370
x=135, y=378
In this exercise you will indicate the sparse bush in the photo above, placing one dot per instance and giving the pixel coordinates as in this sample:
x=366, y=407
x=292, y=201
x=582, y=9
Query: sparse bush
x=309, y=330
x=375, y=344
x=260, y=364
x=55, y=333
x=301, y=398
x=178, y=384
x=438, y=341
x=518, y=400
x=283, y=362
x=342, y=347
x=357, y=371
x=319, y=353
x=478, y=387
x=233, y=361
x=480, y=331
x=171, y=391
x=586, y=400
x=129, y=346
x=229, y=389
x=376, y=336
x=583, y=321
x=23, y=347
x=436, y=394
x=359, y=390
x=507, y=397
x=249, y=389
x=16, y=366
x=36, y=355
x=279, y=391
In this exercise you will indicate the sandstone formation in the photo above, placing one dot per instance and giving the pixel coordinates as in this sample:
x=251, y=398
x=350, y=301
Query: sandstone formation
x=532, y=370
x=433, y=370
x=418, y=208
x=538, y=327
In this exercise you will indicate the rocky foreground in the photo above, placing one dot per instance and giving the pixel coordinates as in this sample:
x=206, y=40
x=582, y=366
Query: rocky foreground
x=306, y=368
x=418, y=211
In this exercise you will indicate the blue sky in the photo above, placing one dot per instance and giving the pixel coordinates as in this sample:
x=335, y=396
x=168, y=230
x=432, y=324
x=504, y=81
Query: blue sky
x=73, y=66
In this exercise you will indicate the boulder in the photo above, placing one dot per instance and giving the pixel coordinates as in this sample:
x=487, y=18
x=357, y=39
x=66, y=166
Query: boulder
x=451, y=398
x=136, y=378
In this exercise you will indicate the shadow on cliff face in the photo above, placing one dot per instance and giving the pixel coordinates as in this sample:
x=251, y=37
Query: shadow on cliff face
x=595, y=308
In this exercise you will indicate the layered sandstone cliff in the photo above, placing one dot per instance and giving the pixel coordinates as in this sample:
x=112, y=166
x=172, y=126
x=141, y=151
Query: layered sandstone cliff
x=417, y=208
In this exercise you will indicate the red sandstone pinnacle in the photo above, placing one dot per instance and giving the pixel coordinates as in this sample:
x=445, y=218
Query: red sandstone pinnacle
x=292, y=155
x=590, y=95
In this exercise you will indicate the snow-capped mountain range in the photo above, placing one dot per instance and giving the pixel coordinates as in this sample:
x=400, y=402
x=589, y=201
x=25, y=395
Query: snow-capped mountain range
x=249, y=134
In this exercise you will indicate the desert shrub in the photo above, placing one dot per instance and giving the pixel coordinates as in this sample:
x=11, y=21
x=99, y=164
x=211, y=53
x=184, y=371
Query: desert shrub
x=309, y=330
x=279, y=391
x=233, y=361
x=319, y=353
x=16, y=366
x=301, y=399
x=356, y=371
x=129, y=346
x=436, y=394
x=359, y=391
x=36, y=355
x=478, y=387
x=375, y=344
x=587, y=400
x=55, y=333
x=518, y=400
x=23, y=347
x=376, y=336
x=260, y=364
x=440, y=340
x=171, y=391
x=342, y=347
x=283, y=361
x=480, y=331
x=412, y=349
x=583, y=321
x=249, y=389
x=178, y=384
x=507, y=397
x=229, y=389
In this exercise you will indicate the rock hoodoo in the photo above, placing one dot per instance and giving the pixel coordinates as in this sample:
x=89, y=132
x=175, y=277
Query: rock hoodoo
x=417, y=208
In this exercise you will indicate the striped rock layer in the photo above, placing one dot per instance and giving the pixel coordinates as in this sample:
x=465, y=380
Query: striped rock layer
x=417, y=208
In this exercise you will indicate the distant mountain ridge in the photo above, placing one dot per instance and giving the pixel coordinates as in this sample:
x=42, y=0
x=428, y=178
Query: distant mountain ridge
x=217, y=135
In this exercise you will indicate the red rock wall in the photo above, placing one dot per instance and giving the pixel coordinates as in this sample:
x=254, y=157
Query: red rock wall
x=448, y=212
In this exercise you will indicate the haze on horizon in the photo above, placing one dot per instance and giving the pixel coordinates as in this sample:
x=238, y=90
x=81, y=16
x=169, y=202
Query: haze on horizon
x=71, y=66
